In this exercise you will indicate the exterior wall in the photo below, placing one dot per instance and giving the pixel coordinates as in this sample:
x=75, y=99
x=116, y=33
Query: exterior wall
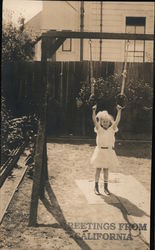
x=65, y=15
x=114, y=18
x=60, y=15
x=37, y=56
x=34, y=24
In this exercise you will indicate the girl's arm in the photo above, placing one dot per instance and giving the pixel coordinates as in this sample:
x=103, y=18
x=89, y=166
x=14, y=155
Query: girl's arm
x=118, y=117
x=94, y=116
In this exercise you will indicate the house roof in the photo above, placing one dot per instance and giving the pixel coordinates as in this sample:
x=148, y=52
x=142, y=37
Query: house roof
x=34, y=24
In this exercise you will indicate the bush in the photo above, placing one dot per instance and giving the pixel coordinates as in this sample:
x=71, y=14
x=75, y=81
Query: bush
x=136, y=115
x=15, y=131
x=138, y=92
x=17, y=43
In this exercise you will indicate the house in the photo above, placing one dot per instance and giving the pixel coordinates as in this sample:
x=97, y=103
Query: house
x=99, y=16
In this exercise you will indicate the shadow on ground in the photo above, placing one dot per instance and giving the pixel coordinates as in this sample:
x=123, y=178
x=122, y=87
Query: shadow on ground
x=127, y=210
x=53, y=207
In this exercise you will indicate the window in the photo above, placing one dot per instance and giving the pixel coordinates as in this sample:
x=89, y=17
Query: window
x=67, y=45
x=136, y=49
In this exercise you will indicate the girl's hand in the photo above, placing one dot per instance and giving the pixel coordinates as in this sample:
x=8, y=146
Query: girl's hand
x=118, y=107
x=94, y=107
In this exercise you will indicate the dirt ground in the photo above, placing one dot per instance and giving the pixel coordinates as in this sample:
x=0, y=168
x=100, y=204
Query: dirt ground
x=64, y=203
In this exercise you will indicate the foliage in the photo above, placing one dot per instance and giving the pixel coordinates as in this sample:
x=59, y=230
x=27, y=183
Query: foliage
x=17, y=43
x=5, y=116
x=14, y=131
x=138, y=92
x=137, y=116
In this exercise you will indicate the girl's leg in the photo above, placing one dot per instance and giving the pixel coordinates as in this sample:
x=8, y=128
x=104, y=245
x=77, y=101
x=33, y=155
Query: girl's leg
x=97, y=176
x=106, y=176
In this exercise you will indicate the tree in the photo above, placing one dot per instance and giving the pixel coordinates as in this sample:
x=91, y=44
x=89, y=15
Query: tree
x=17, y=43
x=17, y=46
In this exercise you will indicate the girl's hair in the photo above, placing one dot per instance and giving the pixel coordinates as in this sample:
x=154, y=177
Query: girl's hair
x=104, y=114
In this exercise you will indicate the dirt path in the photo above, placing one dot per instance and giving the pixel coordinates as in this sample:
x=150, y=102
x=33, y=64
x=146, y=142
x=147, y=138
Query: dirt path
x=65, y=206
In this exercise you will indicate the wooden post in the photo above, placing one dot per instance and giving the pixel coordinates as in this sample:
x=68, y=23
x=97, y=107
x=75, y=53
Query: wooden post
x=81, y=29
x=101, y=17
x=40, y=171
x=61, y=84
x=44, y=172
x=40, y=143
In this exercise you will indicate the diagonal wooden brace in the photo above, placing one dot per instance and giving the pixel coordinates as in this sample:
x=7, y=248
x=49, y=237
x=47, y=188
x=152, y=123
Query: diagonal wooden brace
x=52, y=49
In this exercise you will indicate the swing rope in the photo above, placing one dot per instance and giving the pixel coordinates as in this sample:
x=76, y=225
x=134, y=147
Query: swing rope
x=92, y=80
x=125, y=70
x=121, y=98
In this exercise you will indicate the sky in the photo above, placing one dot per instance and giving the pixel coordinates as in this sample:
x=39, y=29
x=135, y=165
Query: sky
x=24, y=8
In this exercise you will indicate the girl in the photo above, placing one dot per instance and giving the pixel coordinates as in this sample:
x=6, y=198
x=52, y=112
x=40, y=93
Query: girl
x=104, y=155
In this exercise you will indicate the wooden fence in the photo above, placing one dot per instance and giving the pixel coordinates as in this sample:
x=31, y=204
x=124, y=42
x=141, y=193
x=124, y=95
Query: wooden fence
x=22, y=84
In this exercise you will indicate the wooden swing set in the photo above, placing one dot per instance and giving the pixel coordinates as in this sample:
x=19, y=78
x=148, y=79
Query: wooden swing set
x=50, y=42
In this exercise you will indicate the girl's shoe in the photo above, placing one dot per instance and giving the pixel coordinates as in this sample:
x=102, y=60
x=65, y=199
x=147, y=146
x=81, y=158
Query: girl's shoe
x=106, y=189
x=96, y=189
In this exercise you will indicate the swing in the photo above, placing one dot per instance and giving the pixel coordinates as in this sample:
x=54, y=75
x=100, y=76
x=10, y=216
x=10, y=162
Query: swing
x=91, y=99
x=121, y=98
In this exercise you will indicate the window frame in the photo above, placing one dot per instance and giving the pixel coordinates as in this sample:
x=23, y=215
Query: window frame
x=134, y=23
x=67, y=50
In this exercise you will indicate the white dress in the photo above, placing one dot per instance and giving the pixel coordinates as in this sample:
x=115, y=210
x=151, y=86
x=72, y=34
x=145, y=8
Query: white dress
x=105, y=157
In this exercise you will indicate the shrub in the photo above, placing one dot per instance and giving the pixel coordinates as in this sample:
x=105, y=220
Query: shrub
x=139, y=95
x=17, y=43
x=15, y=131
x=138, y=92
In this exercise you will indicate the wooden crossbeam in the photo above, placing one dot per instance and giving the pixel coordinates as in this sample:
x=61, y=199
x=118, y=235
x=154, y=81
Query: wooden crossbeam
x=97, y=35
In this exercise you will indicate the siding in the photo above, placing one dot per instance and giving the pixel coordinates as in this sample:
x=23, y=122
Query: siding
x=61, y=16
x=114, y=16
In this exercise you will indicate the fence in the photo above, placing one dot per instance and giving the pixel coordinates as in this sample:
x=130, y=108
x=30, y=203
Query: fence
x=22, y=84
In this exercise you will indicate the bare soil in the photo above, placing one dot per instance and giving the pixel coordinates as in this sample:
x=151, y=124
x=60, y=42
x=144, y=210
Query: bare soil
x=64, y=202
